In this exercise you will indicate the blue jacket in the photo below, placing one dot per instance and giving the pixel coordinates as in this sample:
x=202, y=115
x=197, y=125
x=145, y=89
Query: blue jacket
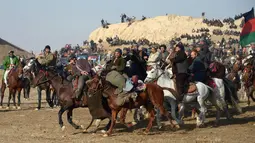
x=197, y=68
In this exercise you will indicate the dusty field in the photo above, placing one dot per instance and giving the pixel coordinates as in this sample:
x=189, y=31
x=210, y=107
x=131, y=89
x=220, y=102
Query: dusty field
x=27, y=125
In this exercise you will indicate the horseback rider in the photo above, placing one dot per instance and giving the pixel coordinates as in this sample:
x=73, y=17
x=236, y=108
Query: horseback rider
x=47, y=58
x=197, y=68
x=180, y=67
x=118, y=63
x=116, y=78
x=10, y=62
x=138, y=64
x=204, y=54
x=82, y=75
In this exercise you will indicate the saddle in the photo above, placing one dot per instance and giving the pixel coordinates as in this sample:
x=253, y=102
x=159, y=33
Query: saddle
x=211, y=83
x=192, y=87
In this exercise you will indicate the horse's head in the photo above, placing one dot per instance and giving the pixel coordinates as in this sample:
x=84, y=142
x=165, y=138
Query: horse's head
x=44, y=75
x=31, y=65
x=94, y=84
x=152, y=73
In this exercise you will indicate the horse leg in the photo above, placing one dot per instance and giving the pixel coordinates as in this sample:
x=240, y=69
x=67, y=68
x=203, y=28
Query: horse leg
x=60, y=121
x=70, y=118
x=193, y=113
x=151, y=111
x=9, y=98
x=248, y=94
x=252, y=97
x=3, y=87
x=123, y=114
x=28, y=91
x=14, y=98
x=19, y=93
x=48, y=98
x=113, y=122
x=201, y=117
x=54, y=98
x=39, y=93
x=91, y=122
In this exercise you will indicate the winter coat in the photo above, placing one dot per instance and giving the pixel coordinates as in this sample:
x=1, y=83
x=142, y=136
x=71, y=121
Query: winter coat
x=47, y=60
x=180, y=63
x=197, y=68
x=7, y=62
x=119, y=63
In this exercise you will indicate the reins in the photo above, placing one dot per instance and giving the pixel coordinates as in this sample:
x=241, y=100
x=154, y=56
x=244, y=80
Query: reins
x=47, y=80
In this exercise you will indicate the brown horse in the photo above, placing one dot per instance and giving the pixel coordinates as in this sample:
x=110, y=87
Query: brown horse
x=16, y=84
x=152, y=96
x=64, y=91
x=233, y=75
x=249, y=82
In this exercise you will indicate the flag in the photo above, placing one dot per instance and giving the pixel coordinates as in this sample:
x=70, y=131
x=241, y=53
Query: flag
x=248, y=15
x=247, y=35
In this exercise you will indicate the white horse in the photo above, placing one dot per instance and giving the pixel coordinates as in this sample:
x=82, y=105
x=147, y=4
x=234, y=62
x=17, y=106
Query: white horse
x=215, y=96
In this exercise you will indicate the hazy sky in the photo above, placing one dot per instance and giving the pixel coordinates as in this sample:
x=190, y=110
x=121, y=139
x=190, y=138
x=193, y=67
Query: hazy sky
x=32, y=24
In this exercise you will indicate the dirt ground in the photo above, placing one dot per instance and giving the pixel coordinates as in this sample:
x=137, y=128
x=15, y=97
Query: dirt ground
x=27, y=125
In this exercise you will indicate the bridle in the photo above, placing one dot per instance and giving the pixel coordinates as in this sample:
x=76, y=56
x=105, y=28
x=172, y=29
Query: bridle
x=46, y=76
x=152, y=80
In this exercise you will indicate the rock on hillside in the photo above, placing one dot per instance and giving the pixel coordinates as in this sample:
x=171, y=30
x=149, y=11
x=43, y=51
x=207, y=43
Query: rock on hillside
x=6, y=46
x=160, y=29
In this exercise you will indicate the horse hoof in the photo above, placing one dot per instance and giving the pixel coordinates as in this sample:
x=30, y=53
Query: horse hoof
x=177, y=126
x=201, y=126
x=7, y=108
x=36, y=109
x=85, y=131
x=103, y=131
x=63, y=128
x=19, y=107
x=1, y=107
x=145, y=132
x=105, y=135
x=81, y=126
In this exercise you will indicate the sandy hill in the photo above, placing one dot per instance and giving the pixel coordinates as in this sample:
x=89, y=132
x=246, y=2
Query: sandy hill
x=6, y=46
x=159, y=29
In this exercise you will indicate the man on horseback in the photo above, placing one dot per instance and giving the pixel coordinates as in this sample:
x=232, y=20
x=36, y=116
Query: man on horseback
x=47, y=58
x=204, y=53
x=197, y=68
x=180, y=67
x=116, y=78
x=9, y=63
x=82, y=75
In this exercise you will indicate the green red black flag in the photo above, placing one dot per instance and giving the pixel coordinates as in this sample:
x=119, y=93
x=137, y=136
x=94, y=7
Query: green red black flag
x=247, y=35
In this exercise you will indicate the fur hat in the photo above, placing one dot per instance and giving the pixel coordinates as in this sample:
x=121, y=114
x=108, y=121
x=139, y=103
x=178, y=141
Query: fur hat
x=47, y=47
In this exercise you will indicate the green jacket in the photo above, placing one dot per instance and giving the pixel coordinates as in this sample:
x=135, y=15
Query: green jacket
x=120, y=64
x=7, y=62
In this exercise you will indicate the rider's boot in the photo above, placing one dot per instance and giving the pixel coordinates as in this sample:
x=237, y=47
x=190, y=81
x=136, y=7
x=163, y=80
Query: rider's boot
x=78, y=93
